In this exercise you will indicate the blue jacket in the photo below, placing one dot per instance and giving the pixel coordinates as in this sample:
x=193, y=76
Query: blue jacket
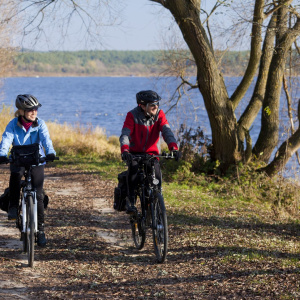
x=15, y=134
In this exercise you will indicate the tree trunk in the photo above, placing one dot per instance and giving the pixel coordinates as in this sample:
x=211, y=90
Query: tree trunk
x=268, y=137
x=210, y=80
x=255, y=104
x=286, y=150
x=255, y=53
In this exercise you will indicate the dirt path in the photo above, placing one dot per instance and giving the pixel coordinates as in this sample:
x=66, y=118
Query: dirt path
x=62, y=185
x=90, y=253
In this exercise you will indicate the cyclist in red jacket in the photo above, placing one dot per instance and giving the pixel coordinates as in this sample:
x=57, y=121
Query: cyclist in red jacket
x=140, y=134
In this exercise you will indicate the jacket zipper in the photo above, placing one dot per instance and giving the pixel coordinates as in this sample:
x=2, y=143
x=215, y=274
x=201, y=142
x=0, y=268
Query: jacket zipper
x=146, y=139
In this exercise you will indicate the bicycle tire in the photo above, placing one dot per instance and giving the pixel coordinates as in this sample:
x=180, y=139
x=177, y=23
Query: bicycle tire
x=23, y=234
x=138, y=227
x=30, y=230
x=159, y=228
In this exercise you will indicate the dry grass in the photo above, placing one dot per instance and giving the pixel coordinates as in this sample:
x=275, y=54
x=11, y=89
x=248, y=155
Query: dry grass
x=80, y=140
x=6, y=114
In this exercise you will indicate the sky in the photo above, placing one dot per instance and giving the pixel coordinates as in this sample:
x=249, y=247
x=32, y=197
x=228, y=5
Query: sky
x=139, y=25
x=142, y=21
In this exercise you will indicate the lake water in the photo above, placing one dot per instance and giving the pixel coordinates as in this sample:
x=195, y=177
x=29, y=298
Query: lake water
x=104, y=101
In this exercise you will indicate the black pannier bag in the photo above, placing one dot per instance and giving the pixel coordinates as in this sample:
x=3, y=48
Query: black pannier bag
x=26, y=155
x=4, y=200
x=120, y=193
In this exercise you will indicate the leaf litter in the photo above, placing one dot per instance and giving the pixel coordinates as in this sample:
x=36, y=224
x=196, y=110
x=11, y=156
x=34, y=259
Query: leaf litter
x=90, y=253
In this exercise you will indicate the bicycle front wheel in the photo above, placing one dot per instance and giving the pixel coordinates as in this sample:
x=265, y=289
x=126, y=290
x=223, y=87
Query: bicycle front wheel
x=30, y=230
x=159, y=228
x=138, y=226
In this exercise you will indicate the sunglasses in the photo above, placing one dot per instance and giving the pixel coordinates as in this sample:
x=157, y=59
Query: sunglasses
x=32, y=109
x=154, y=104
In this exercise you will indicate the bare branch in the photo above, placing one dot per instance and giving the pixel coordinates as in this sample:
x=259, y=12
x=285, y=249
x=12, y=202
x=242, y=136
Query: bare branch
x=211, y=12
x=62, y=15
x=192, y=86
x=275, y=6
x=289, y=105
x=207, y=25
x=177, y=92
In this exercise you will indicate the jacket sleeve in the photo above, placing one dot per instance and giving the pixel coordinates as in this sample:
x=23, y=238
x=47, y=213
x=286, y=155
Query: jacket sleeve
x=127, y=131
x=45, y=138
x=166, y=131
x=7, y=139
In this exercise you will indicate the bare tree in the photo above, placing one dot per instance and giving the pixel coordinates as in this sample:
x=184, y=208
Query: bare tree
x=86, y=19
x=268, y=53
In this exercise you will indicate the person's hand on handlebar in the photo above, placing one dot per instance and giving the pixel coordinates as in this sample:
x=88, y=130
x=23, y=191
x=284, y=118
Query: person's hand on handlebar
x=176, y=154
x=4, y=160
x=50, y=157
x=127, y=157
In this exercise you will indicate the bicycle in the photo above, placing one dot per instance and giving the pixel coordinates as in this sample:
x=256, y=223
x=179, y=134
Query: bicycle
x=27, y=156
x=151, y=211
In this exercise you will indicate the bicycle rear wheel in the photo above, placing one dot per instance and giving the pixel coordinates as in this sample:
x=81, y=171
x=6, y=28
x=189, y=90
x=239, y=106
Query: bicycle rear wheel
x=30, y=230
x=20, y=226
x=159, y=228
x=138, y=226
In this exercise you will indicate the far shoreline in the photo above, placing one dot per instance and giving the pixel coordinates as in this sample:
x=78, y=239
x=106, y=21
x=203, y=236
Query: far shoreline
x=41, y=75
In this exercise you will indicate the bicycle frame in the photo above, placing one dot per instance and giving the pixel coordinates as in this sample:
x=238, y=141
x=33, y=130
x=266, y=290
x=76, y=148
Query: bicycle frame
x=26, y=191
x=147, y=182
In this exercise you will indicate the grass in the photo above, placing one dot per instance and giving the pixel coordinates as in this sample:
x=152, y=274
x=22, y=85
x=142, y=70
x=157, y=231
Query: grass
x=104, y=166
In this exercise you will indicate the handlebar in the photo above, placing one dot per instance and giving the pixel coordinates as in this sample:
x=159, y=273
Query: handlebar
x=146, y=156
x=41, y=160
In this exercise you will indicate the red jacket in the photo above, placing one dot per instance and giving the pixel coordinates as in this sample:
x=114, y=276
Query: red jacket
x=141, y=133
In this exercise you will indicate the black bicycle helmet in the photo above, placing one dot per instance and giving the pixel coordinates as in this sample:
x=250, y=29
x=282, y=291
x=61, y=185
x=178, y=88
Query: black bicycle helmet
x=146, y=97
x=27, y=102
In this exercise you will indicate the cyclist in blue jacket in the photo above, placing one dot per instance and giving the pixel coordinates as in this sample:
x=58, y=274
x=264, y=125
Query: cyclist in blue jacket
x=26, y=129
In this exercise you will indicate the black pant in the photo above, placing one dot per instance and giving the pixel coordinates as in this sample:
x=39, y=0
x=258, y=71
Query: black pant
x=132, y=176
x=37, y=180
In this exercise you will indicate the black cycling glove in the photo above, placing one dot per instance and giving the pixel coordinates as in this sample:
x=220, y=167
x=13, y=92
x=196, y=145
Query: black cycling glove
x=176, y=154
x=4, y=159
x=126, y=156
x=50, y=156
